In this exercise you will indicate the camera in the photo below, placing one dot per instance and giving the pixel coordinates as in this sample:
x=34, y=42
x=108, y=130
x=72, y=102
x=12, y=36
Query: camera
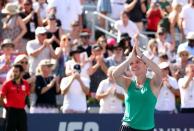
x=77, y=68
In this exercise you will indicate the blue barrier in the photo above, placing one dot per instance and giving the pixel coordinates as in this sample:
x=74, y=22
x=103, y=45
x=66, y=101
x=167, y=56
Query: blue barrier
x=105, y=122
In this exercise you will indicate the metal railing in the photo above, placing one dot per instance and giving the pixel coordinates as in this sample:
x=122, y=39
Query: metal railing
x=108, y=21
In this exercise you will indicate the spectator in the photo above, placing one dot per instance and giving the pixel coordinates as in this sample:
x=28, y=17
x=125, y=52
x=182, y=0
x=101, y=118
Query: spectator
x=135, y=9
x=117, y=7
x=189, y=44
x=125, y=25
x=186, y=90
x=77, y=58
x=46, y=88
x=110, y=94
x=63, y=56
x=181, y=63
x=174, y=24
x=15, y=92
x=6, y=59
x=165, y=6
x=187, y=20
x=72, y=9
x=53, y=31
x=23, y=60
x=104, y=7
x=152, y=51
x=39, y=49
x=117, y=57
x=74, y=88
x=166, y=102
x=126, y=43
x=31, y=19
x=102, y=41
x=41, y=7
x=85, y=43
x=75, y=31
x=98, y=68
x=154, y=15
x=181, y=2
x=163, y=45
x=110, y=45
x=13, y=26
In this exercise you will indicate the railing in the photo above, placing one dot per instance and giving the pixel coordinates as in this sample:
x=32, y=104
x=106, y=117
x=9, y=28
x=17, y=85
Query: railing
x=108, y=21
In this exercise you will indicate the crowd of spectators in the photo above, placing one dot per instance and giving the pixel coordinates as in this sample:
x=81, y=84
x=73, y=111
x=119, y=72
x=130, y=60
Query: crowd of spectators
x=68, y=71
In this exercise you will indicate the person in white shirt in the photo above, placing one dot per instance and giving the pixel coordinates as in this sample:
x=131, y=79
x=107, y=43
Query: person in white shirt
x=75, y=86
x=187, y=18
x=166, y=98
x=39, y=49
x=124, y=25
x=67, y=11
x=189, y=44
x=117, y=6
x=186, y=86
x=110, y=94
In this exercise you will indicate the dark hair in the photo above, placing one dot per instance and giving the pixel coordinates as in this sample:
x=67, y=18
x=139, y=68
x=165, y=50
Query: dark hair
x=19, y=66
x=124, y=13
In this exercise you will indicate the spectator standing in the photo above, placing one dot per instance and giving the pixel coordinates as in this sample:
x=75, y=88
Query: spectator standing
x=13, y=26
x=53, y=31
x=63, y=55
x=163, y=45
x=154, y=15
x=31, y=19
x=174, y=17
x=125, y=25
x=117, y=7
x=187, y=18
x=110, y=94
x=98, y=68
x=181, y=63
x=72, y=9
x=186, y=90
x=117, y=57
x=46, y=89
x=39, y=49
x=15, y=92
x=136, y=9
x=166, y=101
x=6, y=59
x=189, y=44
x=41, y=6
x=104, y=7
x=85, y=43
x=152, y=51
x=74, y=87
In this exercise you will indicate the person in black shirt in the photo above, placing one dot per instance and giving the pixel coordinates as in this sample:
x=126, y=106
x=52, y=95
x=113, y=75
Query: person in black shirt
x=31, y=18
x=46, y=89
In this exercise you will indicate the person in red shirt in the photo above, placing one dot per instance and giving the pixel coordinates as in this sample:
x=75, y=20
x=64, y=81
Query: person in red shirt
x=154, y=15
x=13, y=95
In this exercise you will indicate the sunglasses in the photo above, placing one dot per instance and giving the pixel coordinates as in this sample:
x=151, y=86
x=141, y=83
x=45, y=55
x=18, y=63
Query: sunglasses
x=24, y=62
x=66, y=39
x=184, y=54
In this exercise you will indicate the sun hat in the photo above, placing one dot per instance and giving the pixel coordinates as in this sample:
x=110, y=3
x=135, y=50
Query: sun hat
x=11, y=8
x=7, y=42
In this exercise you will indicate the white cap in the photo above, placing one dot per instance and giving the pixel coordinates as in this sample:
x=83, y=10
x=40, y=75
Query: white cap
x=163, y=65
x=182, y=49
x=190, y=36
x=40, y=30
